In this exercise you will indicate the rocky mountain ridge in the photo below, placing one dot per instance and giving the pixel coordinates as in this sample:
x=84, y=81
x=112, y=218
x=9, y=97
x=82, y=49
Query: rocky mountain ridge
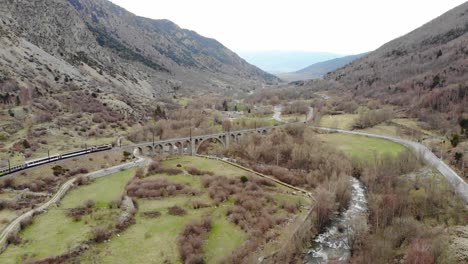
x=95, y=44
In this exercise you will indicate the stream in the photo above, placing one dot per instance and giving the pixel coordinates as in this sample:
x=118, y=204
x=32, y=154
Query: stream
x=333, y=242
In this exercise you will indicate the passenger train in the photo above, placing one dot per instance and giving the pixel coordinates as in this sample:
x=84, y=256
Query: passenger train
x=41, y=161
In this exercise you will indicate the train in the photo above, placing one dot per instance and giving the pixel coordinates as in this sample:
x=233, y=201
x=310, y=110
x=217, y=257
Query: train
x=53, y=158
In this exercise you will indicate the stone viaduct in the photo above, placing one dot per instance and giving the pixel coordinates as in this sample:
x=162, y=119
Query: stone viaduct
x=190, y=145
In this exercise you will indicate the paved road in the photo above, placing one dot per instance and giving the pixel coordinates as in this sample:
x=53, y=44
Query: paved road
x=459, y=185
x=278, y=109
x=15, y=224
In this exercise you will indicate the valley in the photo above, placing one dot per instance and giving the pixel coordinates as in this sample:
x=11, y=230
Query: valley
x=125, y=139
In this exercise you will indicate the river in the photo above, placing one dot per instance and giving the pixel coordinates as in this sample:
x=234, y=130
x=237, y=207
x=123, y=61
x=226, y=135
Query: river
x=333, y=242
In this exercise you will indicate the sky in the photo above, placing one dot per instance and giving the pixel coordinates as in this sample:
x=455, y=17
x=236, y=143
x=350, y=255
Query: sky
x=335, y=26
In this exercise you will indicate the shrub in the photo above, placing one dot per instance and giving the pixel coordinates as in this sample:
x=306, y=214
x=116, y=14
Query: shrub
x=455, y=140
x=290, y=207
x=25, y=222
x=82, y=180
x=77, y=171
x=420, y=253
x=199, y=204
x=124, y=222
x=114, y=204
x=139, y=173
x=126, y=155
x=8, y=182
x=153, y=167
x=244, y=179
x=58, y=170
x=176, y=210
x=197, y=172
x=191, y=241
x=90, y=203
x=77, y=213
x=13, y=238
x=26, y=144
x=152, y=214
x=100, y=234
x=147, y=188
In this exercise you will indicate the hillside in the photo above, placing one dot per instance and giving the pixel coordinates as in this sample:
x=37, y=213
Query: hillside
x=319, y=69
x=424, y=72
x=94, y=43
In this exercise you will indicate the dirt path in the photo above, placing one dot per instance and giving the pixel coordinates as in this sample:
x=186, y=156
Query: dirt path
x=277, y=113
x=14, y=226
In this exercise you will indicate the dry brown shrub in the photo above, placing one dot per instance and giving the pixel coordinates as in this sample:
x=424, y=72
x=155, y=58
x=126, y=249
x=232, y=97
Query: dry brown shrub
x=152, y=214
x=77, y=213
x=176, y=210
x=90, y=203
x=148, y=188
x=100, y=234
x=191, y=241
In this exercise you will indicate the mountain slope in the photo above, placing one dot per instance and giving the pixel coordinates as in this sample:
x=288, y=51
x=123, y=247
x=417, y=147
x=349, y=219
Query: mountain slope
x=101, y=42
x=319, y=69
x=425, y=71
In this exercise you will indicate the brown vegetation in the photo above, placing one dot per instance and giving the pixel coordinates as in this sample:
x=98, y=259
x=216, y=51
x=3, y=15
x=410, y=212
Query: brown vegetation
x=371, y=118
x=154, y=188
x=176, y=210
x=155, y=168
x=406, y=214
x=294, y=155
x=100, y=234
x=191, y=241
x=196, y=172
x=297, y=107
x=152, y=214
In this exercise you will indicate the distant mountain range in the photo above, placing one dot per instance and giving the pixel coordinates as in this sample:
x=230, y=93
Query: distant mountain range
x=319, y=69
x=285, y=61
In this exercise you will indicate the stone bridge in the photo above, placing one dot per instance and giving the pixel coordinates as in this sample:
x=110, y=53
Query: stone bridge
x=190, y=145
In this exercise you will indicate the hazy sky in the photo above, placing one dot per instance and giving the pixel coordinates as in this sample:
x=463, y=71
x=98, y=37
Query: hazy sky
x=336, y=26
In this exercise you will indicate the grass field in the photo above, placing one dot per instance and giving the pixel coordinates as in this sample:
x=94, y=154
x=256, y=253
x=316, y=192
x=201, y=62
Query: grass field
x=157, y=238
x=363, y=148
x=53, y=233
x=383, y=129
x=6, y=216
x=344, y=121
x=293, y=118
x=219, y=168
x=223, y=239
x=413, y=124
x=245, y=122
x=102, y=190
x=149, y=240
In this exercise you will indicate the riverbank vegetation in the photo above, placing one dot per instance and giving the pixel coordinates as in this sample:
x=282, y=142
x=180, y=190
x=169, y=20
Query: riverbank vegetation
x=297, y=156
x=412, y=211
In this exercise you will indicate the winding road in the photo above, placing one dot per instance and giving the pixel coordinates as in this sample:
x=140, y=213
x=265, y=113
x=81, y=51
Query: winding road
x=457, y=182
x=459, y=185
